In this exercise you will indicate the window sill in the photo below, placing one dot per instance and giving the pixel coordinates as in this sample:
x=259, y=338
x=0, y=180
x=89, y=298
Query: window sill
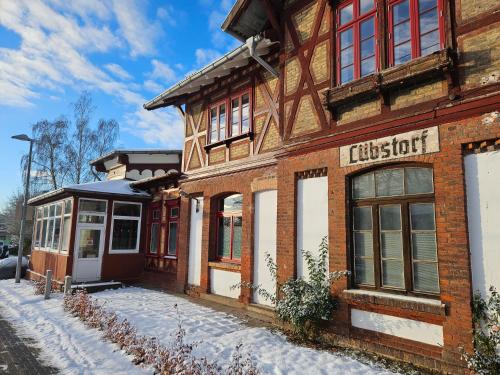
x=421, y=304
x=228, y=141
x=414, y=71
x=117, y=252
x=170, y=257
x=226, y=266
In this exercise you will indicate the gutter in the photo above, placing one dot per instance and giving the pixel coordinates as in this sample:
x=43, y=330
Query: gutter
x=251, y=44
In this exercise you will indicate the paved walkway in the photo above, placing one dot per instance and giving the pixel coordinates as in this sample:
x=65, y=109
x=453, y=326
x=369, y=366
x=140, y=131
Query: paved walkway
x=17, y=355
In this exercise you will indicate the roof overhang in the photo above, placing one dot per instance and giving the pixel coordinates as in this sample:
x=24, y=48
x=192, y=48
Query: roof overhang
x=237, y=58
x=171, y=176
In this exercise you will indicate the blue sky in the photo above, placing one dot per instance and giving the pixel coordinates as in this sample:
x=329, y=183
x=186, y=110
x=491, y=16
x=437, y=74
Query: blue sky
x=124, y=52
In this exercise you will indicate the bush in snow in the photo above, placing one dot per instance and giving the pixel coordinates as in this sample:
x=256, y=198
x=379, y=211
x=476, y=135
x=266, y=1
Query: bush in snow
x=301, y=302
x=38, y=287
x=486, y=334
x=174, y=358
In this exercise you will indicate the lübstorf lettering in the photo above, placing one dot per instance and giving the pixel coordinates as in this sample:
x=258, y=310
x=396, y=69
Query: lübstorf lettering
x=398, y=146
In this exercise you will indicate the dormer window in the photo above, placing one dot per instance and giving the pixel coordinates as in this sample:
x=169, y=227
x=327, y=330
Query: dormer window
x=230, y=118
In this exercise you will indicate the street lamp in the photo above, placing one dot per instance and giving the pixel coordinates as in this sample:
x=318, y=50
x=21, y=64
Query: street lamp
x=23, y=137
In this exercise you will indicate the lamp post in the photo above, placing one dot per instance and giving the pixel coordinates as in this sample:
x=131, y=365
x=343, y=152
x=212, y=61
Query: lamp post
x=23, y=137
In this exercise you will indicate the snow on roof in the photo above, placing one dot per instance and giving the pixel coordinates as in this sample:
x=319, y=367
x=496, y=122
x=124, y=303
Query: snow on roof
x=108, y=187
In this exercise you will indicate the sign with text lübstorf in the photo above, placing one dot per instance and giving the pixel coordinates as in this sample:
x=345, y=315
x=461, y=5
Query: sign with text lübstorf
x=417, y=142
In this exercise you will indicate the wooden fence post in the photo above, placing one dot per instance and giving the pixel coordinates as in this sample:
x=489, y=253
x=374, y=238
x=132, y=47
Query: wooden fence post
x=67, y=284
x=48, y=284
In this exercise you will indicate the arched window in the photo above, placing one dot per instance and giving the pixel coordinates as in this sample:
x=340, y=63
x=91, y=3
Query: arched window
x=394, y=230
x=229, y=228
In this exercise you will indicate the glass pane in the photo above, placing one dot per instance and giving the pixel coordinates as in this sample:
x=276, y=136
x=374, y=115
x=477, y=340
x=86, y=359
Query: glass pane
x=92, y=206
x=389, y=182
x=402, y=53
x=419, y=180
x=363, y=244
x=245, y=108
x=401, y=12
x=235, y=117
x=347, y=74
x=364, y=271
x=126, y=209
x=222, y=121
x=363, y=186
x=172, y=239
x=224, y=240
x=213, y=125
x=57, y=233
x=402, y=32
x=365, y=6
x=367, y=66
x=392, y=273
x=422, y=216
x=156, y=215
x=362, y=218
x=88, y=245
x=425, y=277
x=58, y=209
x=346, y=14
x=174, y=212
x=237, y=229
x=426, y=4
x=368, y=28
x=391, y=245
x=91, y=219
x=233, y=203
x=68, y=204
x=52, y=210
x=153, y=244
x=367, y=48
x=346, y=56
x=46, y=211
x=428, y=21
x=346, y=38
x=424, y=246
x=44, y=233
x=390, y=217
x=66, y=233
x=429, y=43
x=124, y=234
x=50, y=233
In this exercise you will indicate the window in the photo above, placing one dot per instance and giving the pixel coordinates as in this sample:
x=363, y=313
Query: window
x=415, y=29
x=155, y=225
x=53, y=226
x=125, y=227
x=357, y=54
x=394, y=230
x=92, y=211
x=173, y=225
x=230, y=118
x=229, y=231
x=218, y=122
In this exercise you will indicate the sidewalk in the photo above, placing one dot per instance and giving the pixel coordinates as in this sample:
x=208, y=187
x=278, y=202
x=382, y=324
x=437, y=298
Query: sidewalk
x=17, y=357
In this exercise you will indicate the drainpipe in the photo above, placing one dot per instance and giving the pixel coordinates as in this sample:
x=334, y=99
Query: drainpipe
x=251, y=44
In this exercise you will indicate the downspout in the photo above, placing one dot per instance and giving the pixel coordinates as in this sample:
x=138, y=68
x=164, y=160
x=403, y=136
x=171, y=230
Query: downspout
x=251, y=44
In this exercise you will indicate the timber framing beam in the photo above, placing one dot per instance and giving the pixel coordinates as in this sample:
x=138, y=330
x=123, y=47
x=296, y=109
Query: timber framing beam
x=272, y=16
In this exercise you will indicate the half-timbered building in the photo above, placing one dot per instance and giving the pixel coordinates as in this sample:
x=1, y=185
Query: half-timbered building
x=371, y=122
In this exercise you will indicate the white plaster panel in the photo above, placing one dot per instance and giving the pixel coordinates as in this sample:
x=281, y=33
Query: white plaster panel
x=409, y=329
x=264, y=241
x=221, y=282
x=133, y=174
x=195, y=233
x=482, y=177
x=159, y=172
x=153, y=158
x=312, y=218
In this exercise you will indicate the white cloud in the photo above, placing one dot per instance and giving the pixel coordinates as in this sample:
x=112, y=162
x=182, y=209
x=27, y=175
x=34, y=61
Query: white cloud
x=118, y=71
x=162, y=72
x=153, y=87
x=139, y=32
x=206, y=56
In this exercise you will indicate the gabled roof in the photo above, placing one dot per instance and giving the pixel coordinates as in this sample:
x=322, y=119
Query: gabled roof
x=221, y=67
x=120, y=188
x=114, y=153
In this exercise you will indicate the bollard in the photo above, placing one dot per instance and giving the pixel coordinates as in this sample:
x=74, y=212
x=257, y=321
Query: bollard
x=48, y=284
x=67, y=284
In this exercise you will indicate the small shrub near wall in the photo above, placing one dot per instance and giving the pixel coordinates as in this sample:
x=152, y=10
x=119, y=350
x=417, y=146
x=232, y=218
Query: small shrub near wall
x=173, y=358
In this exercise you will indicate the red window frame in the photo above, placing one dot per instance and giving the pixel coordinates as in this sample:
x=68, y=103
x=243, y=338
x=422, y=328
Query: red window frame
x=415, y=37
x=155, y=207
x=355, y=24
x=172, y=219
x=239, y=97
x=232, y=215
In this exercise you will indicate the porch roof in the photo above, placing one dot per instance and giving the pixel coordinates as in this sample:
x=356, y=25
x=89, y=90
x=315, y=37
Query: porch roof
x=119, y=188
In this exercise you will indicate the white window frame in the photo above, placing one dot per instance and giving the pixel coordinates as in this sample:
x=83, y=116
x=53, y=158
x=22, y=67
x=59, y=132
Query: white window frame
x=39, y=222
x=137, y=218
x=63, y=217
x=95, y=213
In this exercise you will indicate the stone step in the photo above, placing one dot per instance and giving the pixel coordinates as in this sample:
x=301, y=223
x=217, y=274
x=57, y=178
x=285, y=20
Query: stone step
x=97, y=286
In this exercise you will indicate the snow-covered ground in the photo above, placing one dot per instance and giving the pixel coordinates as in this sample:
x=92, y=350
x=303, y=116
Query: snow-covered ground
x=67, y=344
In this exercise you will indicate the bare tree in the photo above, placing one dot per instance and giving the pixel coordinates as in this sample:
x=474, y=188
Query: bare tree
x=106, y=136
x=11, y=216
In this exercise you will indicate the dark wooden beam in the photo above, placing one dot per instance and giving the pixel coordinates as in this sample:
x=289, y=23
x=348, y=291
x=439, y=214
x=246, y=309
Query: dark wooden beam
x=271, y=15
